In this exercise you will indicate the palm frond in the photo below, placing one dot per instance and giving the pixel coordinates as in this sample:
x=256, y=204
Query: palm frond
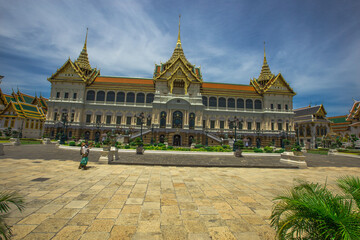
x=10, y=197
x=5, y=230
x=7, y=198
x=351, y=186
x=310, y=210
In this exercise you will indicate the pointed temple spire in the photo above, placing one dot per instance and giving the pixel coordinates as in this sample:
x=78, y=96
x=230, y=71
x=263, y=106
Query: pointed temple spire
x=178, y=43
x=178, y=51
x=265, y=73
x=83, y=60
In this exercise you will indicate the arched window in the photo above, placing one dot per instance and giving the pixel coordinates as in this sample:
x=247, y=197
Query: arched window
x=231, y=103
x=258, y=104
x=162, y=119
x=120, y=97
x=100, y=96
x=222, y=102
x=130, y=97
x=192, y=120
x=140, y=98
x=212, y=102
x=110, y=97
x=249, y=104
x=240, y=103
x=205, y=101
x=150, y=98
x=177, y=119
x=90, y=95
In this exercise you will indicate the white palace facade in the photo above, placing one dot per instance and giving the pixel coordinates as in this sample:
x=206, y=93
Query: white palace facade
x=178, y=106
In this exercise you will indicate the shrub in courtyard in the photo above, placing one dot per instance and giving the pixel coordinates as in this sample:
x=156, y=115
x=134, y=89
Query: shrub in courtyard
x=311, y=211
x=296, y=148
x=199, y=146
x=268, y=149
x=279, y=151
x=7, y=199
x=239, y=144
x=72, y=143
x=170, y=147
x=127, y=146
x=258, y=150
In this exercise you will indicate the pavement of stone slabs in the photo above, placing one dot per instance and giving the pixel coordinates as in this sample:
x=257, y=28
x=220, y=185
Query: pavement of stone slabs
x=148, y=202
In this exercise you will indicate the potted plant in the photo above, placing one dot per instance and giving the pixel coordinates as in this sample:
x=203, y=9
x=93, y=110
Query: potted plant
x=296, y=148
x=287, y=146
x=106, y=143
x=238, y=146
x=140, y=148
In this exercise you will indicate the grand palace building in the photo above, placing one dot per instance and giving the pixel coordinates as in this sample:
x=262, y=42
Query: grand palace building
x=176, y=105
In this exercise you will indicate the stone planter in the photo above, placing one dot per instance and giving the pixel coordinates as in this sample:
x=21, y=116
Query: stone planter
x=294, y=160
x=106, y=148
x=296, y=153
x=2, y=149
x=15, y=141
x=140, y=150
x=46, y=141
x=238, y=153
x=332, y=151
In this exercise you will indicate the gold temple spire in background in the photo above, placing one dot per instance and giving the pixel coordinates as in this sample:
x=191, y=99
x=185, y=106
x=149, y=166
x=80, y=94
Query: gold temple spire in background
x=83, y=60
x=178, y=44
x=265, y=73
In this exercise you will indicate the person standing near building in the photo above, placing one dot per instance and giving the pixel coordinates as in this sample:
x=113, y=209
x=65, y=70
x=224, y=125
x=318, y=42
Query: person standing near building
x=84, y=152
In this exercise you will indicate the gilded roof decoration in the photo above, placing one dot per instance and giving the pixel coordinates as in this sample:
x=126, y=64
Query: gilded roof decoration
x=23, y=105
x=176, y=60
x=354, y=113
x=83, y=60
x=81, y=68
x=268, y=82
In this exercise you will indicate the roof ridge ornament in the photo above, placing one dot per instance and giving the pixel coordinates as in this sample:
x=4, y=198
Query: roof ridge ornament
x=83, y=60
x=178, y=43
x=265, y=74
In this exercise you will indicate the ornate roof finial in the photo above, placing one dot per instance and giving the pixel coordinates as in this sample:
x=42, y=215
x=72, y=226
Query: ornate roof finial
x=264, y=53
x=87, y=30
x=265, y=73
x=83, y=60
x=178, y=43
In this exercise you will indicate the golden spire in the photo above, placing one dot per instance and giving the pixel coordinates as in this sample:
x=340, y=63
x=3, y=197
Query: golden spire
x=83, y=60
x=264, y=54
x=265, y=73
x=178, y=43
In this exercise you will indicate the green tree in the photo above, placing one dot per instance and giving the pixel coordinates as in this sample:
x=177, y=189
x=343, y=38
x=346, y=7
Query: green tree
x=311, y=211
x=7, y=198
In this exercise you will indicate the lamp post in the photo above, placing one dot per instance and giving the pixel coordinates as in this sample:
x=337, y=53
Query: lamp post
x=152, y=134
x=64, y=121
x=141, y=118
x=258, y=139
x=97, y=134
x=206, y=138
x=235, y=122
x=297, y=131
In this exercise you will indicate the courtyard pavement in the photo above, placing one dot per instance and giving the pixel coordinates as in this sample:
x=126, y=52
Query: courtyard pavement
x=149, y=202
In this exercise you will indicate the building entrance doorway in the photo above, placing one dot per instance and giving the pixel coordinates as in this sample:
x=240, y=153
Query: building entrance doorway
x=177, y=140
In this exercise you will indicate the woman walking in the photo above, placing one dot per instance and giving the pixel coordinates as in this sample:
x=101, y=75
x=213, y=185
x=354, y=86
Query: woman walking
x=84, y=152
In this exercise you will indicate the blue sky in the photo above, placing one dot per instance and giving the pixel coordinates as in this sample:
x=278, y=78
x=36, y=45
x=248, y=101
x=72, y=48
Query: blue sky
x=314, y=44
